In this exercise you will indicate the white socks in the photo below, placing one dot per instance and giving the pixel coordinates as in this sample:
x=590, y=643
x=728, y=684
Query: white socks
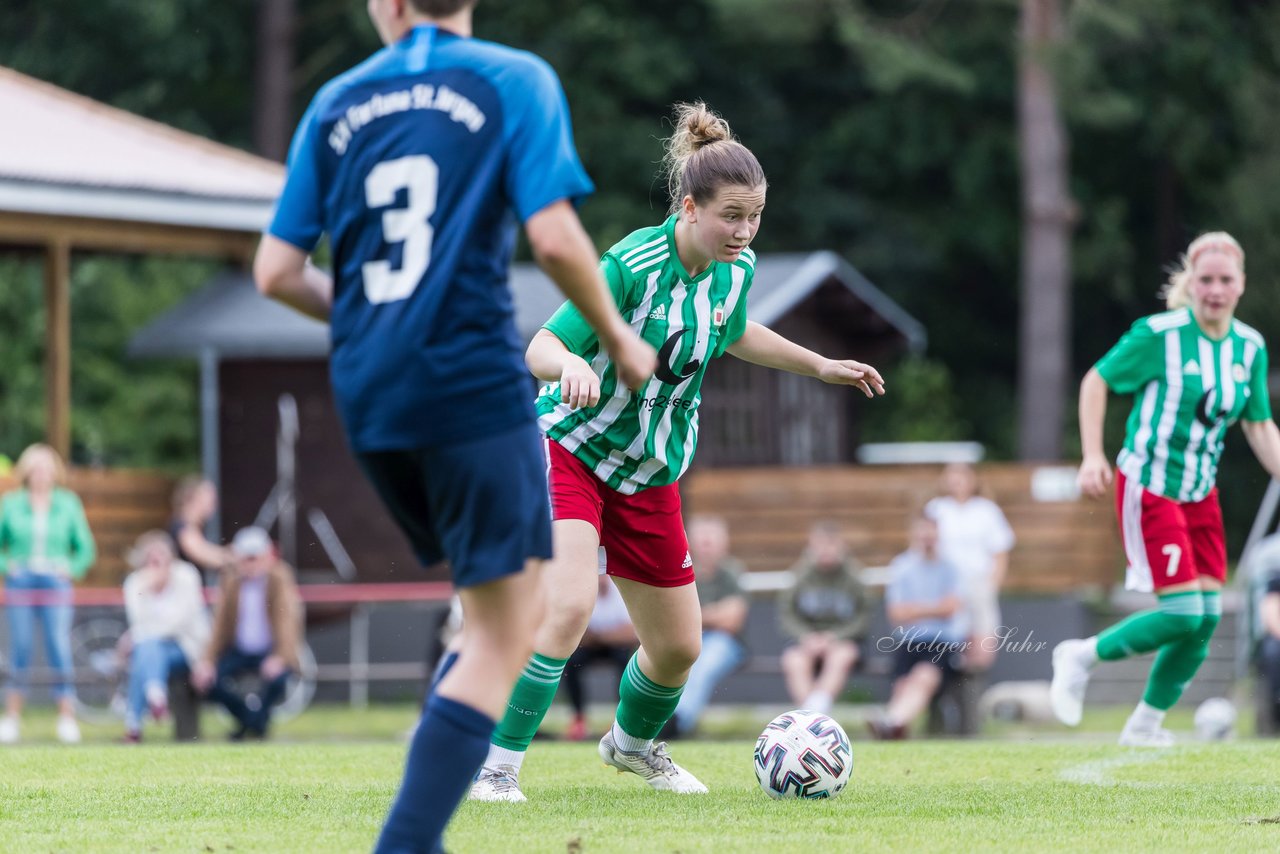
x=502, y=756
x=1087, y=652
x=629, y=743
x=819, y=701
x=1145, y=718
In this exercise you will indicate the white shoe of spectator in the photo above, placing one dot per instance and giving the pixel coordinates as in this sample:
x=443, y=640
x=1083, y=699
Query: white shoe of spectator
x=499, y=783
x=1070, y=678
x=655, y=767
x=1158, y=737
x=9, y=730
x=68, y=730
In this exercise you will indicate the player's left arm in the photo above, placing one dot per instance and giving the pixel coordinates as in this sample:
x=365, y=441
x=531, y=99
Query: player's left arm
x=760, y=345
x=1264, y=441
x=283, y=272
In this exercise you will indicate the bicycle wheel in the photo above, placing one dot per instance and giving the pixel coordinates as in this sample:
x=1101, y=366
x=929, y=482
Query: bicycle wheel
x=98, y=670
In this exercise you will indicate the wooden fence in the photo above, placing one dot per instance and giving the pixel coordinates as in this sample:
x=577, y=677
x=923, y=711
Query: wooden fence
x=1061, y=545
x=120, y=504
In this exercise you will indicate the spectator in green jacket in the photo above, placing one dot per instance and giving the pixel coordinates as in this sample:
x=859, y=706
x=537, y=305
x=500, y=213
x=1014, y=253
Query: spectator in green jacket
x=826, y=612
x=45, y=545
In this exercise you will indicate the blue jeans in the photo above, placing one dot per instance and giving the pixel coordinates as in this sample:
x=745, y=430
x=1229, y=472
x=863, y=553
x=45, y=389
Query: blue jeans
x=150, y=663
x=55, y=621
x=235, y=663
x=721, y=655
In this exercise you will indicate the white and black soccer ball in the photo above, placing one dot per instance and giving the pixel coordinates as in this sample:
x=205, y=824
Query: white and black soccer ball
x=803, y=754
x=1215, y=719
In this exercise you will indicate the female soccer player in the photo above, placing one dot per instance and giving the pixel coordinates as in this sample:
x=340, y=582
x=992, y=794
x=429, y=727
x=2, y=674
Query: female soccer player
x=615, y=456
x=1193, y=370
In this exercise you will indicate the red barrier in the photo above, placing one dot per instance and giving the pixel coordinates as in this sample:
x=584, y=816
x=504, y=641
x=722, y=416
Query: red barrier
x=398, y=591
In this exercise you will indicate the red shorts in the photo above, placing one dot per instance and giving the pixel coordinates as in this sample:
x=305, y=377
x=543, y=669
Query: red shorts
x=642, y=534
x=1168, y=542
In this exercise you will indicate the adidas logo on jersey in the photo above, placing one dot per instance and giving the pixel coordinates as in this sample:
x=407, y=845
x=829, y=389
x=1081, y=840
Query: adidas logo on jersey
x=1191, y=367
x=659, y=313
x=688, y=561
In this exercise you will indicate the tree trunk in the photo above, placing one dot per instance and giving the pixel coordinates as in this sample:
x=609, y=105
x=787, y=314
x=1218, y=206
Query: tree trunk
x=1047, y=219
x=273, y=78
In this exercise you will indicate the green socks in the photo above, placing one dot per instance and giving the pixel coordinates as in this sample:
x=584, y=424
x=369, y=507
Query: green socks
x=1176, y=616
x=530, y=699
x=644, y=706
x=1178, y=662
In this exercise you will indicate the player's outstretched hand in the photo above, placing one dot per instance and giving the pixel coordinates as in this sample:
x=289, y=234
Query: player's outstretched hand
x=849, y=372
x=579, y=385
x=1094, y=478
x=634, y=359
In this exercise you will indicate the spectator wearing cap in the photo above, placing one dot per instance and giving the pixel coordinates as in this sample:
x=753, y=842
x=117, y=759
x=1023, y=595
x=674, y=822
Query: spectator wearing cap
x=168, y=626
x=257, y=629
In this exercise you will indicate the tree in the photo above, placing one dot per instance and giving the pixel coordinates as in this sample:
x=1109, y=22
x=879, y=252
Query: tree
x=1047, y=218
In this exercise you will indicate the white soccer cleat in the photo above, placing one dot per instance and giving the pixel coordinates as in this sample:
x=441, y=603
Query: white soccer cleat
x=1070, y=678
x=499, y=783
x=8, y=730
x=68, y=730
x=655, y=767
x=1158, y=737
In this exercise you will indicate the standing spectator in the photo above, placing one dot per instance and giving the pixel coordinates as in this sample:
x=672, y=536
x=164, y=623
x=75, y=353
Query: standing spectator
x=975, y=538
x=257, y=629
x=826, y=612
x=923, y=603
x=724, y=613
x=195, y=500
x=168, y=626
x=610, y=637
x=46, y=544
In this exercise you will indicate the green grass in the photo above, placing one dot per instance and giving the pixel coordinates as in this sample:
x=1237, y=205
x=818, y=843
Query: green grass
x=326, y=783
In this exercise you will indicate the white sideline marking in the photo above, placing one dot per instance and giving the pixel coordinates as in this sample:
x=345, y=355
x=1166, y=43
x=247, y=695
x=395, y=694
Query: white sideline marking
x=1098, y=772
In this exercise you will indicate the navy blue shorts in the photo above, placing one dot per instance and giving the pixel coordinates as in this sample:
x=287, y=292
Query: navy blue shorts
x=482, y=504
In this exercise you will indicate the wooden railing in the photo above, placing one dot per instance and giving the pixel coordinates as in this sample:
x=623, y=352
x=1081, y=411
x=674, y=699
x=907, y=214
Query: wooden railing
x=1062, y=545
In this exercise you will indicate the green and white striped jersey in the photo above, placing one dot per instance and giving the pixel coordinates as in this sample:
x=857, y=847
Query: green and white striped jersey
x=1188, y=388
x=647, y=438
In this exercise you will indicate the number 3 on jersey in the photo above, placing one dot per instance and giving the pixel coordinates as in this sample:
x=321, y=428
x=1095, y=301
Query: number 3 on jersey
x=420, y=178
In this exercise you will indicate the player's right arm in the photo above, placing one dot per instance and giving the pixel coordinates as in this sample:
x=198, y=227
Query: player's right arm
x=565, y=251
x=281, y=268
x=283, y=272
x=1095, y=472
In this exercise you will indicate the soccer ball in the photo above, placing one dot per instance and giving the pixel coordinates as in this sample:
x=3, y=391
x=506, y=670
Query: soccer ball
x=1215, y=719
x=803, y=754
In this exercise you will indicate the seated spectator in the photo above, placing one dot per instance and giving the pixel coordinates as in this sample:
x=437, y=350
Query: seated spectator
x=924, y=605
x=825, y=611
x=724, y=613
x=257, y=629
x=610, y=638
x=195, y=500
x=1269, y=651
x=168, y=626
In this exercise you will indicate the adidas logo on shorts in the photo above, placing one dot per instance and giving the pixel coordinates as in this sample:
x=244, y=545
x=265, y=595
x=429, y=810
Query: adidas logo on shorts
x=688, y=561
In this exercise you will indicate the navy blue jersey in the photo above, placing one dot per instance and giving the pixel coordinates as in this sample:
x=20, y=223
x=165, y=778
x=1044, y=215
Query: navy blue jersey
x=417, y=163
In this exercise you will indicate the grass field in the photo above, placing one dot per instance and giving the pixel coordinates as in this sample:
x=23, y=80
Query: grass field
x=324, y=786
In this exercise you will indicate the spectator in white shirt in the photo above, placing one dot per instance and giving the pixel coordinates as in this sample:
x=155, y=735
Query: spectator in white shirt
x=975, y=538
x=168, y=626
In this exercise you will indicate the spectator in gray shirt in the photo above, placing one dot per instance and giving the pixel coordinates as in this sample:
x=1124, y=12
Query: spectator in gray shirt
x=826, y=612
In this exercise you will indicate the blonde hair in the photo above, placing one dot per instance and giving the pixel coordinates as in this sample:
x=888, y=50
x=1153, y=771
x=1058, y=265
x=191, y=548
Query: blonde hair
x=702, y=156
x=186, y=489
x=1177, y=291
x=27, y=460
x=137, y=556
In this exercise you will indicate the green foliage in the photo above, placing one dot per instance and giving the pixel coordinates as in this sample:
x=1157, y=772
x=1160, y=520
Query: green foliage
x=926, y=406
